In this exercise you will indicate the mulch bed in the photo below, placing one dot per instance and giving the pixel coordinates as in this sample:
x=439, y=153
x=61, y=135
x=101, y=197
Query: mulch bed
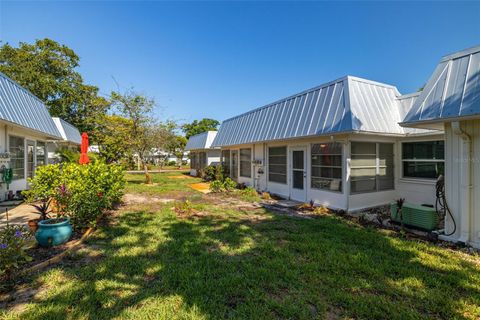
x=40, y=254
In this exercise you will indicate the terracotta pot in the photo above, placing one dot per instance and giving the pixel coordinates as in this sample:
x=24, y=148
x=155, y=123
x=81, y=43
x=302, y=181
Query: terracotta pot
x=33, y=225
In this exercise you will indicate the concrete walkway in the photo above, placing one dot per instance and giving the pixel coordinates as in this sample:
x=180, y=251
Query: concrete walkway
x=17, y=214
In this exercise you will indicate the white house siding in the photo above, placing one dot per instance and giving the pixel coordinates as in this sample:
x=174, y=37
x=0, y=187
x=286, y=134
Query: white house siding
x=5, y=132
x=464, y=202
x=414, y=190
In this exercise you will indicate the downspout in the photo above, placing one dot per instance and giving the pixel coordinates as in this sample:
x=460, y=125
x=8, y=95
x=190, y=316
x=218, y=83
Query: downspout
x=466, y=182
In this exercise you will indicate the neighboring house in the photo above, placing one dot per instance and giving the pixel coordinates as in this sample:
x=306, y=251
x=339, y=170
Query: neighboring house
x=26, y=129
x=450, y=101
x=338, y=144
x=71, y=139
x=202, y=153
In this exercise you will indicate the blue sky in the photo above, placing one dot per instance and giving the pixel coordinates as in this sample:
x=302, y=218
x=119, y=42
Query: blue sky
x=218, y=59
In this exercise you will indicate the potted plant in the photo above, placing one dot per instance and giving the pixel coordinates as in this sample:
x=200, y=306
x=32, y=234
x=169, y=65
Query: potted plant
x=43, y=210
x=53, y=232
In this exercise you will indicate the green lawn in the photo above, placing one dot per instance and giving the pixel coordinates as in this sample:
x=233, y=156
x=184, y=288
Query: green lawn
x=241, y=264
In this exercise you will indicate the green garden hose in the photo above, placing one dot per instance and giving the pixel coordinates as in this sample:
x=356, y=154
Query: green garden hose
x=7, y=176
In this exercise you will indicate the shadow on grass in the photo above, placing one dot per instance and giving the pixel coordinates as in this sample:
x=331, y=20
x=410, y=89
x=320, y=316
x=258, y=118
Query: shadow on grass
x=219, y=266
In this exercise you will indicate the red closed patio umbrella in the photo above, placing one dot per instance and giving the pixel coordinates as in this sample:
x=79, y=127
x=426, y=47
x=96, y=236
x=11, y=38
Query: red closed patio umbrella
x=84, y=149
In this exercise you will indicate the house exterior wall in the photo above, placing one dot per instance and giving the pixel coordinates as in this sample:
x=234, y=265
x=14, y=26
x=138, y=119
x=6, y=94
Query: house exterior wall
x=414, y=190
x=6, y=131
x=462, y=183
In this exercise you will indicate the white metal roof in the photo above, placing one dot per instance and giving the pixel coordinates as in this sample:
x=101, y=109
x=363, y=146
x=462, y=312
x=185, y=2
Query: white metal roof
x=68, y=131
x=349, y=104
x=452, y=92
x=201, y=141
x=18, y=106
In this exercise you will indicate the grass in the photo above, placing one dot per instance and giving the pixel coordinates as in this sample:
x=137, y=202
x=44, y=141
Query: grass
x=236, y=264
x=163, y=184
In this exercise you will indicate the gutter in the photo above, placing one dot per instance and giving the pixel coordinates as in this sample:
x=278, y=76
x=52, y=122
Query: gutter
x=466, y=182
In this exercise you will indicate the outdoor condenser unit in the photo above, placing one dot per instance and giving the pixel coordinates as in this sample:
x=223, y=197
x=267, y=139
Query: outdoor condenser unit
x=415, y=215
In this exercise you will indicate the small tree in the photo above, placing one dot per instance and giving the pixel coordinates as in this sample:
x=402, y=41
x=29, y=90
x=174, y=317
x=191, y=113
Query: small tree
x=137, y=109
x=176, y=146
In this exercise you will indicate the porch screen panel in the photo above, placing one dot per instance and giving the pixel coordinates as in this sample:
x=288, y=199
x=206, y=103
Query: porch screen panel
x=423, y=159
x=234, y=169
x=246, y=163
x=202, y=160
x=385, y=166
x=327, y=166
x=193, y=160
x=226, y=162
x=41, y=153
x=17, y=157
x=277, y=164
x=363, y=167
x=371, y=167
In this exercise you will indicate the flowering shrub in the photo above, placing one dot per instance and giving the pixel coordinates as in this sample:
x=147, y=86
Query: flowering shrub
x=81, y=192
x=12, y=249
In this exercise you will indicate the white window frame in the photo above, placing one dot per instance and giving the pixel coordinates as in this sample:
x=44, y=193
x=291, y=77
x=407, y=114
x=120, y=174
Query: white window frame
x=342, y=166
x=377, y=166
x=286, y=165
x=420, y=160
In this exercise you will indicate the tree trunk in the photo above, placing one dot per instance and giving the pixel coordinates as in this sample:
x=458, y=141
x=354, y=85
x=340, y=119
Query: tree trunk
x=148, y=177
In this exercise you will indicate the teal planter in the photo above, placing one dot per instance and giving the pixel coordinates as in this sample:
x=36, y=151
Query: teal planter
x=53, y=234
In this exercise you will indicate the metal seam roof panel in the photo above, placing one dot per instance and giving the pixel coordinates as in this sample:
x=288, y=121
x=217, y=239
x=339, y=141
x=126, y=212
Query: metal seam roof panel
x=452, y=92
x=22, y=108
x=201, y=141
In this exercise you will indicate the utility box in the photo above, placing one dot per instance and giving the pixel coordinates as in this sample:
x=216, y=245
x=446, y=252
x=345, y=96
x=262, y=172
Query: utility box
x=415, y=215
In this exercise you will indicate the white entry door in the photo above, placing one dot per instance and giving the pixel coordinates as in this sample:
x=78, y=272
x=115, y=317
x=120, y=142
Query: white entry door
x=298, y=174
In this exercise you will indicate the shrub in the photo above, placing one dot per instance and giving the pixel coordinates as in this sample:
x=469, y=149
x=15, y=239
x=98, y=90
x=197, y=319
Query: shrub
x=81, y=192
x=249, y=194
x=12, y=250
x=217, y=186
x=183, y=207
x=44, y=185
x=213, y=173
x=229, y=184
x=172, y=163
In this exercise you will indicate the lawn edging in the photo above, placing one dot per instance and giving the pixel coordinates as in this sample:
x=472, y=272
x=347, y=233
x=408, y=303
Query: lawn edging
x=57, y=258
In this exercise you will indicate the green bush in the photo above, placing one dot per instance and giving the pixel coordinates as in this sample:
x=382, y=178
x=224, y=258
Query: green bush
x=12, y=250
x=229, y=184
x=213, y=172
x=249, y=194
x=81, y=192
x=172, y=163
x=44, y=185
x=217, y=186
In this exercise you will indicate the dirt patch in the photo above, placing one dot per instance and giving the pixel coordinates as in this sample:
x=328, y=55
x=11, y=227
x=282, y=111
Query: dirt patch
x=131, y=198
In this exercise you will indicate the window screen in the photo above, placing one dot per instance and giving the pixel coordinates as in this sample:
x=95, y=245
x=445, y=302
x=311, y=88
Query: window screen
x=246, y=163
x=277, y=164
x=423, y=159
x=17, y=157
x=327, y=166
x=371, y=167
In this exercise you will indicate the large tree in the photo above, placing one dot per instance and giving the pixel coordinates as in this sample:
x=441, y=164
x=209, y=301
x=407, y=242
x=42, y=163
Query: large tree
x=49, y=70
x=199, y=126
